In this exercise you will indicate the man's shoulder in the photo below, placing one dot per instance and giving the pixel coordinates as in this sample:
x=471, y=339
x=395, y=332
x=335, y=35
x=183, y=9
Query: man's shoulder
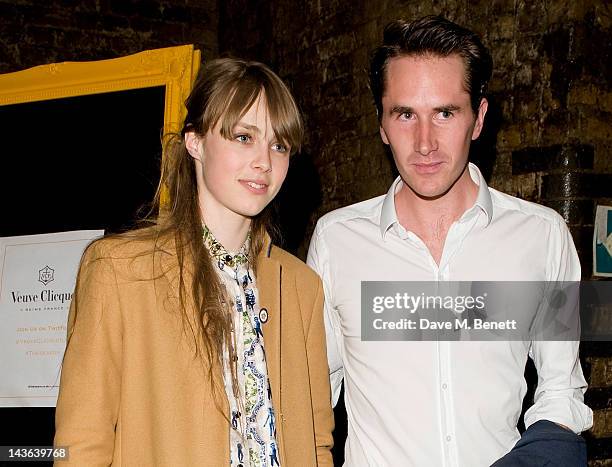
x=505, y=202
x=368, y=210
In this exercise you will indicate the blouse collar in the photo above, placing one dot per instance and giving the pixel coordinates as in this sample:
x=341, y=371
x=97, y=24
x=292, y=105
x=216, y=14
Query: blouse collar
x=220, y=253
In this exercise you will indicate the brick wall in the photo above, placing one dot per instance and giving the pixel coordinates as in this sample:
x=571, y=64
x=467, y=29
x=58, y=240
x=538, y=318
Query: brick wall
x=548, y=133
x=34, y=32
x=548, y=87
x=547, y=137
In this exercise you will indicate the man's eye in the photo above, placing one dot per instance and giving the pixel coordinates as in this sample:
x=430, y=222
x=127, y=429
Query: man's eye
x=406, y=115
x=445, y=114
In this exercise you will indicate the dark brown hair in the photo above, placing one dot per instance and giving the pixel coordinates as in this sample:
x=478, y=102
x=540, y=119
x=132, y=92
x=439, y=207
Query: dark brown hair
x=436, y=36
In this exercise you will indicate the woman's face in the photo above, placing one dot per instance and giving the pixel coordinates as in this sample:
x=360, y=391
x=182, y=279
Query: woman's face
x=238, y=177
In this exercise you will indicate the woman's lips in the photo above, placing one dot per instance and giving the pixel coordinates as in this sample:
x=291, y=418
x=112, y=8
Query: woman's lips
x=257, y=187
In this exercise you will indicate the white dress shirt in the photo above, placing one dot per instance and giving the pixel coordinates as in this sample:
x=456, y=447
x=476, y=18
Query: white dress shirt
x=443, y=403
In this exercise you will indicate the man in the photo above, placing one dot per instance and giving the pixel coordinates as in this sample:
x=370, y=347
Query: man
x=434, y=403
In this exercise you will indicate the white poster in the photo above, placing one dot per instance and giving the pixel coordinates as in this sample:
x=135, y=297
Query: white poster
x=37, y=278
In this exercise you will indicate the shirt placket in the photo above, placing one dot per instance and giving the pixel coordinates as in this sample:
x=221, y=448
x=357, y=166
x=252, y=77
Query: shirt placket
x=443, y=372
x=254, y=356
x=227, y=275
x=455, y=237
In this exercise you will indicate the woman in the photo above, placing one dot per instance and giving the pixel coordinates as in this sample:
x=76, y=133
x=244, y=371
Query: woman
x=194, y=341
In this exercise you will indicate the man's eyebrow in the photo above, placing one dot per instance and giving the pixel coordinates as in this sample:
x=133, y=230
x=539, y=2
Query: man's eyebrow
x=447, y=108
x=400, y=109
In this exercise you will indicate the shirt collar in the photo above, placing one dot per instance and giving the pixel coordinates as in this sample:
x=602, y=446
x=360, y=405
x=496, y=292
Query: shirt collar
x=388, y=214
x=483, y=199
x=221, y=255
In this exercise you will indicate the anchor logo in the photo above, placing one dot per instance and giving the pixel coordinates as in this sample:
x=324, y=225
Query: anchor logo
x=45, y=275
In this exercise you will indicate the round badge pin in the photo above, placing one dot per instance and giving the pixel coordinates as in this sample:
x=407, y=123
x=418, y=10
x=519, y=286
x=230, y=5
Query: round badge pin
x=263, y=315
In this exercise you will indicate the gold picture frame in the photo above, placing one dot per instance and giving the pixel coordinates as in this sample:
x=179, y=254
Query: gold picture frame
x=175, y=68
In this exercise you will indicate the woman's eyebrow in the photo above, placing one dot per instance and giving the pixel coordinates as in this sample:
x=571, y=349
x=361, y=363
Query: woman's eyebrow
x=248, y=126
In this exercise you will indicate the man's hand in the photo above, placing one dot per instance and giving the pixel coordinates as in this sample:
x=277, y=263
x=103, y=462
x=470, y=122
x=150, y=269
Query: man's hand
x=563, y=426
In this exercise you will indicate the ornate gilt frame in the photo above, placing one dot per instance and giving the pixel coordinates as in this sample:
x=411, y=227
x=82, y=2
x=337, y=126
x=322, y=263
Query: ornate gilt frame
x=172, y=67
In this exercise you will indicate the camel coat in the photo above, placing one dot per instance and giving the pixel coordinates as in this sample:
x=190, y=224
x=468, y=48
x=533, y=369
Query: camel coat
x=133, y=394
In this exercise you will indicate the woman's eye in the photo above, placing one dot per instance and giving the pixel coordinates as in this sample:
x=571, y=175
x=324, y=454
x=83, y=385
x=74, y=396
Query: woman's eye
x=243, y=138
x=279, y=147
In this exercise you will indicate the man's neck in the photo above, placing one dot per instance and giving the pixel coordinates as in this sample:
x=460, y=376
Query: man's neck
x=430, y=219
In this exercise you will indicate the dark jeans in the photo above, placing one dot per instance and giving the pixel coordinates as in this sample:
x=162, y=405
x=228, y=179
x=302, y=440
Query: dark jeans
x=546, y=444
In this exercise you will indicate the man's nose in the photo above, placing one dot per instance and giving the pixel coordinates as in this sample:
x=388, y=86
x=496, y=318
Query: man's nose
x=425, y=141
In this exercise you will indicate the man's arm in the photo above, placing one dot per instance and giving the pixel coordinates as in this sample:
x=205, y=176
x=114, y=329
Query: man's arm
x=318, y=260
x=546, y=444
x=559, y=396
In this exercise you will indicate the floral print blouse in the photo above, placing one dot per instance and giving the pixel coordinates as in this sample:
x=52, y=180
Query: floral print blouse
x=253, y=428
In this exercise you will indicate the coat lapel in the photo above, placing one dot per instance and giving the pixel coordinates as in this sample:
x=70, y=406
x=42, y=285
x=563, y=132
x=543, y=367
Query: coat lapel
x=269, y=287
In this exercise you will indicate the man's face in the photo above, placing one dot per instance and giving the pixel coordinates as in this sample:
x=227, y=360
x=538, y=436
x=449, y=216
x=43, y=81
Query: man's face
x=428, y=121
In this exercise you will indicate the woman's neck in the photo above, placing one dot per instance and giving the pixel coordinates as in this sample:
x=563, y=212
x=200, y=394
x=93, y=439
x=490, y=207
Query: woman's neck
x=230, y=232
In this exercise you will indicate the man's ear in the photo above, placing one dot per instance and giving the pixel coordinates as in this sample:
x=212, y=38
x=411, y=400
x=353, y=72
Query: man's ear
x=480, y=116
x=193, y=143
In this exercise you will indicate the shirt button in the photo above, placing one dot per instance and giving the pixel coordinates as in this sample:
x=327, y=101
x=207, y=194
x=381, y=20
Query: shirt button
x=444, y=386
x=448, y=438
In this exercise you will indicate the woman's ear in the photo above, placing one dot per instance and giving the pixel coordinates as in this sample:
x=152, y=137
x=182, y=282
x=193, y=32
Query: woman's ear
x=193, y=143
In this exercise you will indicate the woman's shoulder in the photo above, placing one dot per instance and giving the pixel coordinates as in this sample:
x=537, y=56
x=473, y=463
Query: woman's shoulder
x=291, y=263
x=133, y=252
x=301, y=286
x=130, y=245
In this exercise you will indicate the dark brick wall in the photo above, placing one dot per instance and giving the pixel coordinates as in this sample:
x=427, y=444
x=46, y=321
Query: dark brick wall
x=547, y=138
x=35, y=32
x=551, y=85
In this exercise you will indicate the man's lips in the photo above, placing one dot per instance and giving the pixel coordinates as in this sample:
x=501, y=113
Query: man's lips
x=427, y=167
